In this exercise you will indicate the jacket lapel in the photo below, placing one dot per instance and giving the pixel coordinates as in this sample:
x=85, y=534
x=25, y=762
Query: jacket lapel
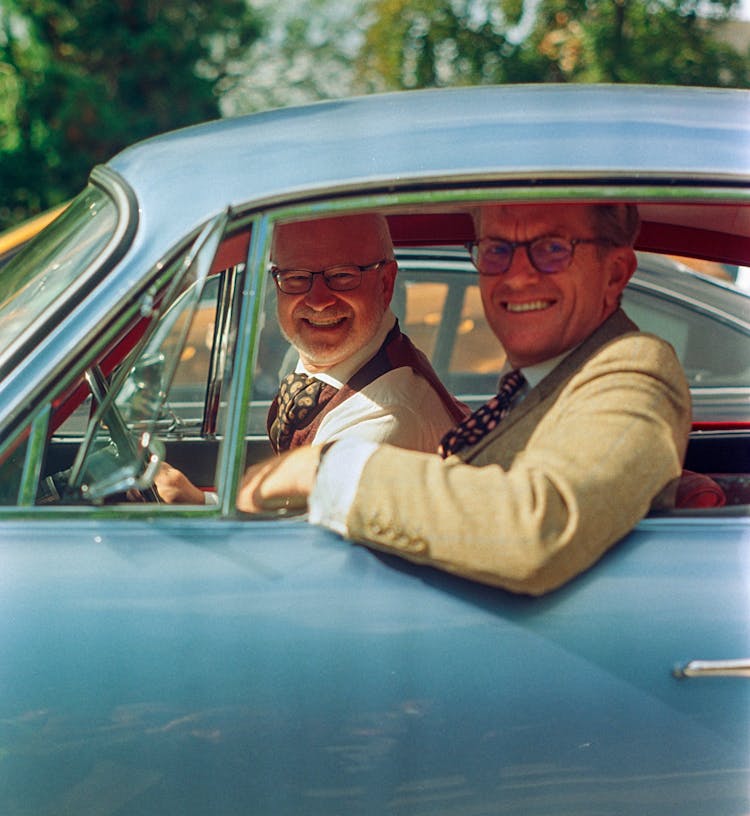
x=615, y=326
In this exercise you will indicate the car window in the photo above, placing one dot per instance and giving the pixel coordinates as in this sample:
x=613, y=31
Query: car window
x=713, y=353
x=439, y=307
x=446, y=320
x=275, y=359
x=48, y=266
x=126, y=415
x=188, y=391
x=441, y=311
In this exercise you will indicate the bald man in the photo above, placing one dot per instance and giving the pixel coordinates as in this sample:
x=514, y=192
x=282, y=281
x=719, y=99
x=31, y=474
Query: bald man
x=334, y=280
x=358, y=376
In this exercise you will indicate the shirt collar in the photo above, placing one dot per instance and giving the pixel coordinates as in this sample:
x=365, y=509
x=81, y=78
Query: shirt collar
x=342, y=372
x=534, y=374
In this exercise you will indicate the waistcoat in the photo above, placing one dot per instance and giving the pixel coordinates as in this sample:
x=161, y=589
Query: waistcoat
x=397, y=351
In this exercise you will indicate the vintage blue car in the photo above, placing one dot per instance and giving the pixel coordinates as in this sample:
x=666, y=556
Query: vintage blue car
x=165, y=659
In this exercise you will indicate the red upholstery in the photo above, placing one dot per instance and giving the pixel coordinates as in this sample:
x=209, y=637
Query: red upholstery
x=697, y=490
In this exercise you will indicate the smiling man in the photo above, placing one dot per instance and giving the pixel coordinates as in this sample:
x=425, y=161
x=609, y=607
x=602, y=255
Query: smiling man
x=586, y=434
x=535, y=310
x=357, y=374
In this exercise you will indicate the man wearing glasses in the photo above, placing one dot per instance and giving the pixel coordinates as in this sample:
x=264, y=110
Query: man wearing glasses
x=587, y=433
x=357, y=374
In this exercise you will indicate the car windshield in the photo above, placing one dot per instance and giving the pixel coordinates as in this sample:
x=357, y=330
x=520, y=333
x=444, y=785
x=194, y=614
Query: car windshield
x=48, y=266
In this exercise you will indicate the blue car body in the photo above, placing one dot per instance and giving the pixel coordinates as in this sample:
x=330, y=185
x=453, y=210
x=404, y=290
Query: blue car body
x=294, y=673
x=192, y=660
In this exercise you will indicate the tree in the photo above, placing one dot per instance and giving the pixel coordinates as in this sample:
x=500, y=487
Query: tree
x=652, y=41
x=428, y=43
x=308, y=53
x=424, y=43
x=81, y=79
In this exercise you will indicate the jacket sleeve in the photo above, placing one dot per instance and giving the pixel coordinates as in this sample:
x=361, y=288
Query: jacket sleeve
x=607, y=444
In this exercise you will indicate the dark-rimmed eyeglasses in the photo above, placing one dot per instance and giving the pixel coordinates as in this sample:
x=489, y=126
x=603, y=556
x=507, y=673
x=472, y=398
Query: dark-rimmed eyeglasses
x=341, y=278
x=548, y=254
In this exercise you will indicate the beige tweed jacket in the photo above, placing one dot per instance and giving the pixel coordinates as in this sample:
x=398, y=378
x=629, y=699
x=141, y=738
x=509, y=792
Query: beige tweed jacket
x=564, y=476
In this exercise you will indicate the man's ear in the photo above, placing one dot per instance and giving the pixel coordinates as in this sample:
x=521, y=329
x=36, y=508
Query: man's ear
x=388, y=278
x=621, y=264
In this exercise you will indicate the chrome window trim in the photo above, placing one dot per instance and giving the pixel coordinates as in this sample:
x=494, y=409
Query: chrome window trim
x=41, y=347
x=32, y=465
x=231, y=461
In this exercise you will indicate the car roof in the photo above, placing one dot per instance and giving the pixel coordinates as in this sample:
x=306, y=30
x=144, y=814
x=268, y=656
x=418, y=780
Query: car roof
x=398, y=140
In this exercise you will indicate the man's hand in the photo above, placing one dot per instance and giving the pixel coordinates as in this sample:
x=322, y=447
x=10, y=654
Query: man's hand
x=175, y=488
x=284, y=481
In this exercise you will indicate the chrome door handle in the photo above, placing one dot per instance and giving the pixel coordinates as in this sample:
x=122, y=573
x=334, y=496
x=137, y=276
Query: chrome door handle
x=713, y=668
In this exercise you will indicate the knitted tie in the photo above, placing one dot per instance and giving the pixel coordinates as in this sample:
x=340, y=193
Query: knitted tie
x=485, y=418
x=299, y=401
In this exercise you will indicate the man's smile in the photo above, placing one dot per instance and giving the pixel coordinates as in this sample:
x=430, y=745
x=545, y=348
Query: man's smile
x=528, y=306
x=324, y=322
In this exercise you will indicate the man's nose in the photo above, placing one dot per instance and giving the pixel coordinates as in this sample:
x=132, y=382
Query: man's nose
x=320, y=296
x=521, y=271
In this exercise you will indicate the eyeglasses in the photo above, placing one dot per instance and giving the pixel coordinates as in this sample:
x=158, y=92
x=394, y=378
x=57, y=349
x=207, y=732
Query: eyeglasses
x=548, y=254
x=337, y=278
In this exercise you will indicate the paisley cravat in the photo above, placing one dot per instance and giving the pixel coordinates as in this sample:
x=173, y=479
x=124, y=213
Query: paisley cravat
x=299, y=400
x=485, y=418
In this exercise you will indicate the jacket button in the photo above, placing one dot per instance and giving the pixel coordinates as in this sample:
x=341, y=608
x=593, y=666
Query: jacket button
x=417, y=545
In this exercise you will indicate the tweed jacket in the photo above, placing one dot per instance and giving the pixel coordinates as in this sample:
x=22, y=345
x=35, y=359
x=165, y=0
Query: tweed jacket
x=571, y=469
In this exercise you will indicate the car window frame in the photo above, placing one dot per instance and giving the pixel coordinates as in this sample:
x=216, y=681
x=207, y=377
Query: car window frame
x=232, y=457
x=447, y=196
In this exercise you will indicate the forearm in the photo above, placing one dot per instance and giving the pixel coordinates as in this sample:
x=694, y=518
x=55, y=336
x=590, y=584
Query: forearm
x=587, y=475
x=528, y=531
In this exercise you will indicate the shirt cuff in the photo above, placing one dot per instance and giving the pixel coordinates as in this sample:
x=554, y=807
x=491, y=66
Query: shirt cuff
x=336, y=483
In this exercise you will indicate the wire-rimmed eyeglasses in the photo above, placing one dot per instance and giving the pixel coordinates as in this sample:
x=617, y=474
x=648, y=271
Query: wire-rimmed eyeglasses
x=340, y=278
x=548, y=254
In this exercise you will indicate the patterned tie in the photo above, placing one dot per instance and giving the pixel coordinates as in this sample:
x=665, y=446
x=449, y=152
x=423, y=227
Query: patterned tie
x=299, y=400
x=485, y=418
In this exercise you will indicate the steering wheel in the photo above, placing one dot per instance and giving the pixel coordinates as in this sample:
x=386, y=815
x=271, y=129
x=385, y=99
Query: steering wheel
x=119, y=444
x=121, y=437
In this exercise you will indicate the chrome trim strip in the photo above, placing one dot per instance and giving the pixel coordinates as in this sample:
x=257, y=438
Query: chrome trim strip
x=713, y=668
x=231, y=464
x=219, y=360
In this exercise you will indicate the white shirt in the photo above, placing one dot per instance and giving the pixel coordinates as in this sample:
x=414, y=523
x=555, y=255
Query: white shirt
x=400, y=407
x=341, y=468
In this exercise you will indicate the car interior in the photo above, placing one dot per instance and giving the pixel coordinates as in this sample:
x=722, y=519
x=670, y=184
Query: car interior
x=438, y=306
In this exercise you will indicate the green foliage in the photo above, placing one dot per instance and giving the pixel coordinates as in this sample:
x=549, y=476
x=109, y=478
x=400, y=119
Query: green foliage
x=660, y=42
x=308, y=53
x=425, y=43
x=428, y=43
x=81, y=79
